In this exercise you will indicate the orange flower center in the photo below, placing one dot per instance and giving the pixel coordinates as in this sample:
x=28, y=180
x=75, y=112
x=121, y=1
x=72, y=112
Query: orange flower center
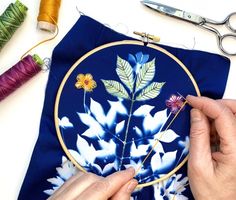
x=86, y=82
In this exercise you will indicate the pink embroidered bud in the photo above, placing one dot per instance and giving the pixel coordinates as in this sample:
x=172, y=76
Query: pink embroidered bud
x=175, y=103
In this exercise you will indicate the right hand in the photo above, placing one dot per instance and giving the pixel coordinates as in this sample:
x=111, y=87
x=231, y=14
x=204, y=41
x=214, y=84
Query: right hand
x=212, y=175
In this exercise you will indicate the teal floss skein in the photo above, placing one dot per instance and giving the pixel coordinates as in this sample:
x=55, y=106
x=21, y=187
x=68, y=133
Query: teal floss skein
x=10, y=21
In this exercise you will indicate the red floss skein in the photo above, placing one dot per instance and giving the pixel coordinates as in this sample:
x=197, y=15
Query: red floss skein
x=19, y=74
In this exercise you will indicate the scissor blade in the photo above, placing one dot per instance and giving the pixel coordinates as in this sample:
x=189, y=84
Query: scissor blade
x=174, y=12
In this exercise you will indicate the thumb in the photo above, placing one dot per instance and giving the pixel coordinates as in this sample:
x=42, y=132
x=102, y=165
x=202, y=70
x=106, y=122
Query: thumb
x=200, y=151
x=125, y=192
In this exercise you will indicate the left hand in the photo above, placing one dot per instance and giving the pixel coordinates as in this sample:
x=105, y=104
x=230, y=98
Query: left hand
x=88, y=186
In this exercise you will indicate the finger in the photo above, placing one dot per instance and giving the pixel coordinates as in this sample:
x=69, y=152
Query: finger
x=125, y=192
x=78, y=185
x=107, y=187
x=224, y=120
x=231, y=104
x=199, y=150
x=214, y=137
x=67, y=184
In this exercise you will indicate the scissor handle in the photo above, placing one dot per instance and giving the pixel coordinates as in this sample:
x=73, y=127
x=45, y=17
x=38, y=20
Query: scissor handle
x=229, y=24
x=220, y=38
x=221, y=44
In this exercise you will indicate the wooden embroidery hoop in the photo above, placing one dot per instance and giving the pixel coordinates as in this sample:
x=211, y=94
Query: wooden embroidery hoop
x=125, y=42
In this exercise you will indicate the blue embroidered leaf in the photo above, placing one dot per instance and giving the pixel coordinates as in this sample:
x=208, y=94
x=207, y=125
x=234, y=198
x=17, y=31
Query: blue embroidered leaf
x=150, y=92
x=131, y=59
x=125, y=73
x=116, y=89
x=139, y=56
x=145, y=75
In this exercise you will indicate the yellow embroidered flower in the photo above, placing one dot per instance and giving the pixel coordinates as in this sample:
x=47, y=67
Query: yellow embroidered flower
x=86, y=82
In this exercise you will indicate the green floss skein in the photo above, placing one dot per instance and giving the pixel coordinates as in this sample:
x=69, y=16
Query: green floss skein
x=10, y=21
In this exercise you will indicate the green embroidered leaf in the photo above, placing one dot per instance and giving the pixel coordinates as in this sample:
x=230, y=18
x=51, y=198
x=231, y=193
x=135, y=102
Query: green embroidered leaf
x=125, y=73
x=150, y=92
x=145, y=75
x=116, y=89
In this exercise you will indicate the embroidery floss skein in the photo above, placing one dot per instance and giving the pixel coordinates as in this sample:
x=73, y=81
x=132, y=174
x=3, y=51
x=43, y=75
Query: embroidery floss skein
x=19, y=74
x=10, y=21
x=48, y=14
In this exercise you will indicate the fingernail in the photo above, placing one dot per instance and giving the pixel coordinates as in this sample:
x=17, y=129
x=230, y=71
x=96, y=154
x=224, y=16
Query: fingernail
x=131, y=170
x=132, y=185
x=189, y=97
x=196, y=115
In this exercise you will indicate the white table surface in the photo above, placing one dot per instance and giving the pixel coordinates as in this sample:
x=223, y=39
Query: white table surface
x=20, y=113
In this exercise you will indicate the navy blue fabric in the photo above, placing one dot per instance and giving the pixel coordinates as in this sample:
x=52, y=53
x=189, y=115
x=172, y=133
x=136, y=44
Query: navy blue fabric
x=209, y=70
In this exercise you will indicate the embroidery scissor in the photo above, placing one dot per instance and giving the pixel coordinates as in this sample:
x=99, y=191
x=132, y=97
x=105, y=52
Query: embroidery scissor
x=200, y=21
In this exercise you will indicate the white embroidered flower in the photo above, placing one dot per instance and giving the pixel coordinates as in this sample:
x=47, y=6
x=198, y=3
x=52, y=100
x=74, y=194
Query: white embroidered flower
x=64, y=172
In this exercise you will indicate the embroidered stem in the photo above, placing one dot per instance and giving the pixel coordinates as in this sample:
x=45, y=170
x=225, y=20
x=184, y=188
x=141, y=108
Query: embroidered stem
x=85, y=108
x=127, y=130
x=107, y=131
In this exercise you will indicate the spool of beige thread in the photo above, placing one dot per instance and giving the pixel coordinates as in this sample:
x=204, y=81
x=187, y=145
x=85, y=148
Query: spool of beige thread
x=48, y=15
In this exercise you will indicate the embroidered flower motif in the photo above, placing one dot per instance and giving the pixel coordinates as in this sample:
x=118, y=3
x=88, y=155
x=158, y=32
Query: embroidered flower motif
x=175, y=103
x=86, y=82
x=138, y=59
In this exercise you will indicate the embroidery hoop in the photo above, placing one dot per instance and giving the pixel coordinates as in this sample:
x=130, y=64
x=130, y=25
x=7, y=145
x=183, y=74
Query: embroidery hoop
x=125, y=42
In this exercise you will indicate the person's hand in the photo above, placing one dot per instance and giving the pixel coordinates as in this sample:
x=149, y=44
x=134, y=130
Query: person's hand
x=212, y=175
x=88, y=186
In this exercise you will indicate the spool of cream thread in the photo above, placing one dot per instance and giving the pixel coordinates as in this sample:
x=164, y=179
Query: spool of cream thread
x=48, y=15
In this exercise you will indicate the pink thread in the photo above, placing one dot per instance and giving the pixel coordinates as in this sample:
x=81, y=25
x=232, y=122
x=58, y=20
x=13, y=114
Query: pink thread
x=175, y=103
x=17, y=76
